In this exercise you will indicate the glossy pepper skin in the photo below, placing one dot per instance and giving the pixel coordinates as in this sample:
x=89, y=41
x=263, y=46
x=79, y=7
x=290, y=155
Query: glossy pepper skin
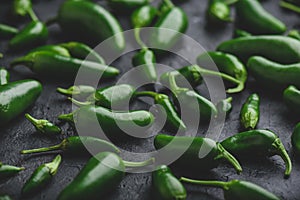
x=210, y=161
x=55, y=49
x=237, y=189
x=91, y=21
x=43, y=126
x=4, y=76
x=255, y=19
x=47, y=63
x=143, y=16
x=127, y=4
x=218, y=12
x=7, y=31
x=33, y=34
x=228, y=64
x=7, y=171
x=167, y=186
x=16, y=97
x=77, y=145
x=296, y=138
x=41, y=177
x=291, y=97
x=250, y=112
x=257, y=143
x=280, y=49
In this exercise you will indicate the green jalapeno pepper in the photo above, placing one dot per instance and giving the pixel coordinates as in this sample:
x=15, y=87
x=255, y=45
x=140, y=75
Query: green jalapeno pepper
x=291, y=97
x=218, y=11
x=241, y=33
x=292, y=6
x=41, y=177
x=257, y=143
x=294, y=34
x=16, y=97
x=33, y=34
x=52, y=49
x=101, y=174
x=47, y=63
x=143, y=16
x=250, y=112
x=7, y=31
x=255, y=19
x=236, y=189
x=5, y=197
x=43, y=126
x=173, y=117
x=273, y=74
x=7, y=171
x=4, y=76
x=77, y=91
x=296, y=138
x=228, y=64
x=127, y=4
x=280, y=49
x=77, y=145
x=167, y=185
x=91, y=22
x=211, y=160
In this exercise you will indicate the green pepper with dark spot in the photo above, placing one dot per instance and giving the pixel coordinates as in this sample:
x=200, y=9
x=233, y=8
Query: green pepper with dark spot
x=296, y=138
x=250, y=112
x=167, y=185
x=127, y=4
x=191, y=148
x=257, y=143
x=7, y=31
x=78, y=145
x=51, y=64
x=218, y=11
x=43, y=126
x=77, y=90
x=55, y=49
x=16, y=97
x=7, y=171
x=4, y=76
x=41, y=177
x=105, y=171
x=236, y=189
x=291, y=97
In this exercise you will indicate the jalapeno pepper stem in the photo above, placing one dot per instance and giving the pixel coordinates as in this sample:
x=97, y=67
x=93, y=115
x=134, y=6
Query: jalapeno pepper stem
x=69, y=91
x=138, y=38
x=169, y=3
x=230, y=2
x=146, y=93
x=139, y=164
x=44, y=149
x=284, y=155
x=238, y=88
x=53, y=166
x=219, y=184
x=222, y=75
x=32, y=15
x=67, y=117
x=33, y=120
x=223, y=153
x=79, y=103
x=290, y=6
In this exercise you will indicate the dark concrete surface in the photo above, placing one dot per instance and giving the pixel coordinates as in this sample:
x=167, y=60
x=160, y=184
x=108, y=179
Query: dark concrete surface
x=20, y=134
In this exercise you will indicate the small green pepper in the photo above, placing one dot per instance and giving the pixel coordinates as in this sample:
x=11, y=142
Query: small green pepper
x=77, y=145
x=209, y=161
x=296, y=138
x=173, y=117
x=257, y=143
x=16, y=97
x=291, y=97
x=47, y=63
x=294, y=34
x=41, y=177
x=167, y=186
x=273, y=74
x=4, y=76
x=280, y=49
x=43, y=126
x=252, y=17
x=7, y=31
x=100, y=175
x=5, y=197
x=7, y=171
x=237, y=189
x=250, y=112
x=218, y=11
x=52, y=49
x=241, y=33
x=143, y=16
x=127, y=4
x=77, y=90
x=228, y=64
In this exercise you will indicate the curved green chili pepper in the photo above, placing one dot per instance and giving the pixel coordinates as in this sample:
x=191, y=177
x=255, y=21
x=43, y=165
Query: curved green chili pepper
x=77, y=90
x=77, y=145
x=281, y=49
x=43, y=126
x=143, y=16
x=7, y=171
x=90, y=21
x=7, y=31
x=104, y=171
x=55, y=49
x=236, y=189
x=218, y=11
x=4, y=76
x=257, y=143
x=172, y=116
x=211, y=160
x=41, y=177
x=167, y=185
x=127, y=4
x=250, y=112
x=255, y=19
x=5, y=197
x=241, y=33
x=82, y=51
x=16, y=97
x=291, y=97
x=274, y=74
x=294, y=34
x=296, y=138
x=47, y=63
x=228, y=64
